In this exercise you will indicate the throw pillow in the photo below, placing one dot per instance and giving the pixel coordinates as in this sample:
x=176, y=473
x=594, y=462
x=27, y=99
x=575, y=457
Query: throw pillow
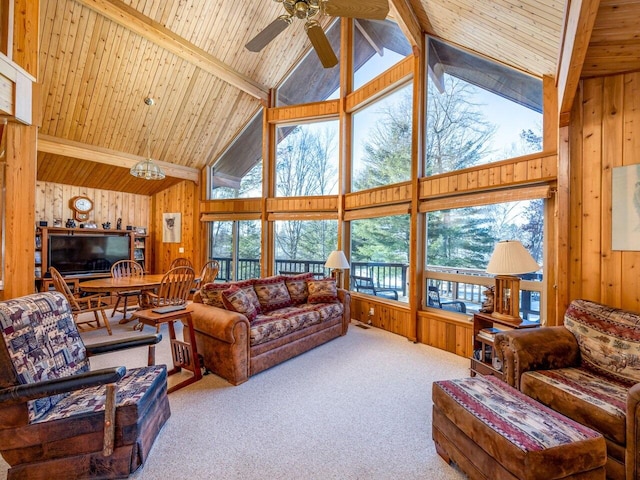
x=236, y=300
x=211, y=294
x=297, y=286
x=272, y=293
x=322, y=291
x=247, y=287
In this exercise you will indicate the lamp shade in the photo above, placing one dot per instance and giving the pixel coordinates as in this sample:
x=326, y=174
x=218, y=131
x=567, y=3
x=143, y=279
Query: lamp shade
x=511, y=258
x=337, y=260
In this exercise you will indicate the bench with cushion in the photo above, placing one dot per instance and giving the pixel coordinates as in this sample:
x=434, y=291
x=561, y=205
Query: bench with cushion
x=493, y=431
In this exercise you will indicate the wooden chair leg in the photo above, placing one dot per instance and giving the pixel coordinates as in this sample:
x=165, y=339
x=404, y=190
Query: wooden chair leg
x=116, y=305
x=106, y=320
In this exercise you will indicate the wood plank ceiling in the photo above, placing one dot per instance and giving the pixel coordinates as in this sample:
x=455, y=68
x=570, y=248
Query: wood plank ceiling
x=95, y=72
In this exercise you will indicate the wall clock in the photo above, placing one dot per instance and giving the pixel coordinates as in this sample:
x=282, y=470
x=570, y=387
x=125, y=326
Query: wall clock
x=81, y=207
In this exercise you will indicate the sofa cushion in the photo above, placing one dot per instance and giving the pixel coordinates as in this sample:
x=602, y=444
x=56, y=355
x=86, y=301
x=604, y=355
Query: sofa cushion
x=236, y=300
x=582, y=395
x=136, y=389
x=270, y=327
x=322, y=291
x=297, y=286
x=609, y=339
x=211, y=293
x=327, y=311
x=272, y=293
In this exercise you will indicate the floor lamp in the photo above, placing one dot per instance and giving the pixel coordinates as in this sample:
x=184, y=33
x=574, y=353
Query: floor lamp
x=337, y=262
x=509, y=258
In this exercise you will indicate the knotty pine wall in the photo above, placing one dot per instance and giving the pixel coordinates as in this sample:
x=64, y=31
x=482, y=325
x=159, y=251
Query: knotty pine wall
x=52, y=201
x=181, y=198
x=604, y=133
x=20, y=175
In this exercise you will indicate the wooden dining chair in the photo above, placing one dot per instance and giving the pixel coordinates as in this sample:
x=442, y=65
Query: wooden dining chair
x=209, y=272
x=174, y=289
x=79, y=305
x=180, y=262
x=122, y=269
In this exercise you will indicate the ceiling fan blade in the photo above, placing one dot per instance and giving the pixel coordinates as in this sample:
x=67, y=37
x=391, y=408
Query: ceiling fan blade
x=321, y=44
x=371, y=9
x=272, y=30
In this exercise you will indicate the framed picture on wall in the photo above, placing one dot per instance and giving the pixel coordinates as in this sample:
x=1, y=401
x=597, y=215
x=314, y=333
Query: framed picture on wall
x=625, y=208
x=171, y=227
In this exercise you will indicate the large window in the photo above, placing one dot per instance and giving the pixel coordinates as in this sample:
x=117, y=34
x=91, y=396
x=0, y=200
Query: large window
x=377, y=46
x=304, y=245
x=237, y=173
x=380, y=256
x=236, y=245
x=307, y=159
x=460, y=242
x=382, y=141
x=478, y=111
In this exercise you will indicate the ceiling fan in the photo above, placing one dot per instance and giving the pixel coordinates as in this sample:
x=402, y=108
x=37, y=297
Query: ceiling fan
x=309, y=10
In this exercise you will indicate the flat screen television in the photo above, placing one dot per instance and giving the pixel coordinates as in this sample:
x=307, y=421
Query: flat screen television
x=85, y=254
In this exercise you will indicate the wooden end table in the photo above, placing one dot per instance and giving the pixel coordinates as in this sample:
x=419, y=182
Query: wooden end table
x=185, y=355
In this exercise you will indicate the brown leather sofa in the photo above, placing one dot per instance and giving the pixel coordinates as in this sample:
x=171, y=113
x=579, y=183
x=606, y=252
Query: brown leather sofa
x=228, y=341
x=588, y=370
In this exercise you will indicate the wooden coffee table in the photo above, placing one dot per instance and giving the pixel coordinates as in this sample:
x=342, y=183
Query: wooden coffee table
x=185, y=355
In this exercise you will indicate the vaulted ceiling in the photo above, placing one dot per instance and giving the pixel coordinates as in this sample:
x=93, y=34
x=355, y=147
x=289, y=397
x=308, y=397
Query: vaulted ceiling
x=99, y=59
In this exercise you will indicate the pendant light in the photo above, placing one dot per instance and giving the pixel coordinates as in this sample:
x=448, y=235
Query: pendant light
x=147, y=169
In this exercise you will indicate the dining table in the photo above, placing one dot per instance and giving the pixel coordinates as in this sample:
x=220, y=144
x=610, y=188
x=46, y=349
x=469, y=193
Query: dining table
x=122, y=284
x=114, y=285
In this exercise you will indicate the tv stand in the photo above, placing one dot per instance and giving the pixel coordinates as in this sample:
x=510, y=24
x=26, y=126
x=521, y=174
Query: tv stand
x=43, y=279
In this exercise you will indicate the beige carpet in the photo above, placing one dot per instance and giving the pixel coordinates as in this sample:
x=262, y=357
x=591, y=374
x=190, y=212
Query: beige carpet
x=358, y=407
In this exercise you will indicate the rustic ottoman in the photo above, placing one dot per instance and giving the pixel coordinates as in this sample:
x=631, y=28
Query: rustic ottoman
x=493, y=431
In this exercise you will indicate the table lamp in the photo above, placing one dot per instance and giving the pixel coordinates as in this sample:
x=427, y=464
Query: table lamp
x=337, y=262
x=508, y=259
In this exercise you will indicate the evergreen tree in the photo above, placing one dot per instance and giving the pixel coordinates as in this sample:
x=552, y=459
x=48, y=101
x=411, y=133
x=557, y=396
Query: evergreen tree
x=387, y=150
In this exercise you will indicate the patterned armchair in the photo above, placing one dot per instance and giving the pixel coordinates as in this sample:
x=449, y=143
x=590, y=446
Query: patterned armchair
x=58, y=416
x=589, y=370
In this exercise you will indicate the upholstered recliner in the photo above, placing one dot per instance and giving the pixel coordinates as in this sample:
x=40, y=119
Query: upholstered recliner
x=588, y=370
x=58, y=419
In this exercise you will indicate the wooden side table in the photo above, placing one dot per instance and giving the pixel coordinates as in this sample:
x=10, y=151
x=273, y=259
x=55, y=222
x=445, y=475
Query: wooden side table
x=484, y=344
x=184, y=355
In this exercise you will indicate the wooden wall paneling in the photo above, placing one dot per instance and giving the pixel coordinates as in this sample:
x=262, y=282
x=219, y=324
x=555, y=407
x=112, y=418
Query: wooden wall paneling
x=549, y=114
x=395, y=318
x=630, y=275
x=558, y=285
x=612, y=147
x=25, y=35
x=243, y=205
x=181, y=198
x=592, y=189
x=20, y=175
x=329, y=108
x=52, y=201
x=576, y=170
x=448, y=334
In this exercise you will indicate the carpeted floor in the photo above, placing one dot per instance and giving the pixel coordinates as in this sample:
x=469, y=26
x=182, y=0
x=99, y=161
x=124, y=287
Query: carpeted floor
x=358, y=407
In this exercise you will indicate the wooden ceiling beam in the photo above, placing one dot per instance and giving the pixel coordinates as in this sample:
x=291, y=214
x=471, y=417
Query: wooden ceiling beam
x=69, y=148
x=408, y=22
x=131, y=19
x=580, y=18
